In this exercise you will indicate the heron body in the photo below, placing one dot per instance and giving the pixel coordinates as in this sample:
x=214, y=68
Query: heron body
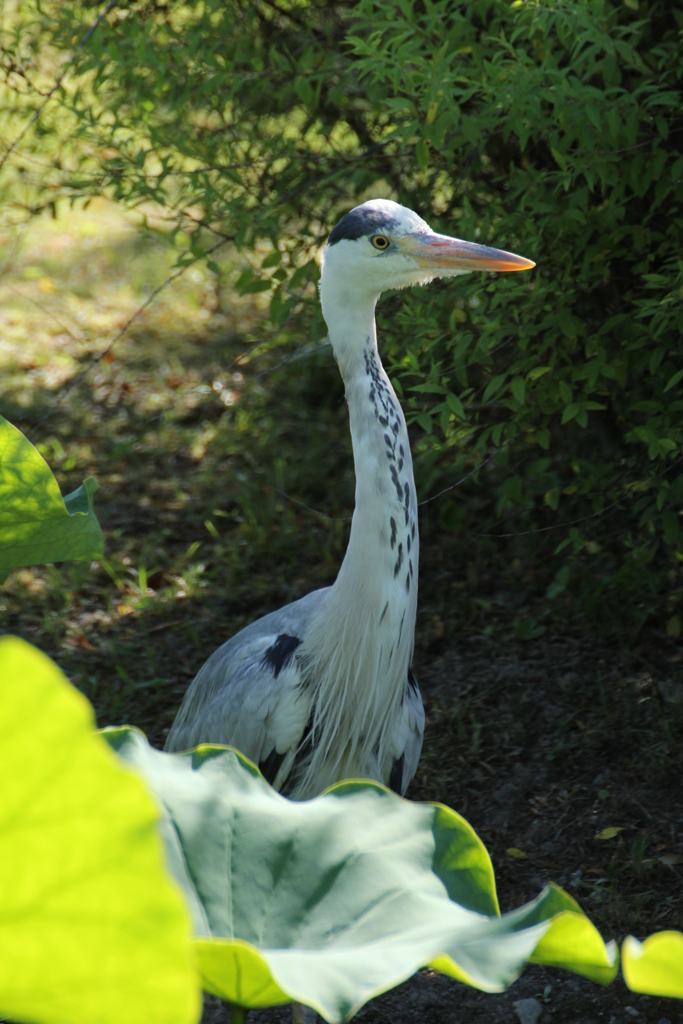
x=322, y=689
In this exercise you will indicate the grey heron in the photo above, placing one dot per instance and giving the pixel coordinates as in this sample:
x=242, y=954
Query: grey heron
x=322, y=689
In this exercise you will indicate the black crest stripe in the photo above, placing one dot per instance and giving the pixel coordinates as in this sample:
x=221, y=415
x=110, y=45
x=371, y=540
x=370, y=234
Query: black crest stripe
x=360, y=222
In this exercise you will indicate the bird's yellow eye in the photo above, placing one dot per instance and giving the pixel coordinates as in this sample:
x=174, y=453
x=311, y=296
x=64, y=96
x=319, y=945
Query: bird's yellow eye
x=380, y=241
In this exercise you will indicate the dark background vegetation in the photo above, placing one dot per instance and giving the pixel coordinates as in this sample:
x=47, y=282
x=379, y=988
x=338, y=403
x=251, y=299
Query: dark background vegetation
x=223, y=140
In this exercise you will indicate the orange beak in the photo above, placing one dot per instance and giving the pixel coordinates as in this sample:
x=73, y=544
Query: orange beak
x=451, y=253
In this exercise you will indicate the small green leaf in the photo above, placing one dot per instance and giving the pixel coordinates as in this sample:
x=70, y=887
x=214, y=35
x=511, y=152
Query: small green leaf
x=609, y=833
x=37, y=525
x=560, y=583
x=527, y=629
x=552, y=498
x=422, y=154
x=565, y=392
x=272, y=260
x=494, y=386
x=559, y=158
x=518, y=389
x=249, y=284
x=431, y=387
x=455, y=405
x=538, y=372
x=674, y=380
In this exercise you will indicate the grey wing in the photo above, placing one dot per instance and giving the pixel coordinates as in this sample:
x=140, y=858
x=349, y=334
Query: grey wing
x=408, y=735
x=250, y=693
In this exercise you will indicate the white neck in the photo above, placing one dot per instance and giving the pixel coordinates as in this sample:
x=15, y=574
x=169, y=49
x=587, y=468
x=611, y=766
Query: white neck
x=360, y=647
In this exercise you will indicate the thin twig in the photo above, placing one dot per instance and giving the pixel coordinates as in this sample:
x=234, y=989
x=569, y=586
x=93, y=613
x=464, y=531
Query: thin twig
x=557, y=526
x=10, y=149
x=12, y=253
x=347, y=519
x=321, y=515
x=302, y=351
x=239, y=360
x=471, y=473
x=593, y=515
x=524, y=533
x=46, y=311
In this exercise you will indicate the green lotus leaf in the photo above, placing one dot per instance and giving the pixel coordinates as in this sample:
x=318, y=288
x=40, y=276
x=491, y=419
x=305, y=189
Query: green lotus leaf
x=92, y=928
x=37, y=525
x=331, y=901
x=654, y=966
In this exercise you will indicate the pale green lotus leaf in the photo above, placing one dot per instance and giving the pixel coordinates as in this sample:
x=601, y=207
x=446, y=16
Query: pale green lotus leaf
x=331, y=901
x=92, y=928
x=37, y=525
x=654, y=966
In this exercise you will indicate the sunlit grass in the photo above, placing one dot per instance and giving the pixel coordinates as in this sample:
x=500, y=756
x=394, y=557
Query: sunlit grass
x=68, y=285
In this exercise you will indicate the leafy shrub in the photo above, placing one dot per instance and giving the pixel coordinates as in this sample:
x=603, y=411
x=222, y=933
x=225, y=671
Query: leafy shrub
x=546, y=128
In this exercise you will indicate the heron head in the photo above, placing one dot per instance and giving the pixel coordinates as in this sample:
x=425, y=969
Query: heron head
x=381, y=245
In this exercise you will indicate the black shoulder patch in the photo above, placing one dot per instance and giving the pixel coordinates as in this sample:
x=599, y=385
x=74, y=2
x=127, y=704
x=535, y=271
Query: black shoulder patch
x=396, y=777
x=358, y=223
x=279, y=654
x=412, y=681
x=271, y=766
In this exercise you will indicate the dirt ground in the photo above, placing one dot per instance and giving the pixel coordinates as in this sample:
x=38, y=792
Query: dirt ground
x=538, y=997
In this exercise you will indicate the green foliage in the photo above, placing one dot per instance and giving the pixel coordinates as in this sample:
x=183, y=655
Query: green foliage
x=334, y=900
x=546, y=128
x=655, y=966
x=91, y=928
x=37, y=525
x=570, y=117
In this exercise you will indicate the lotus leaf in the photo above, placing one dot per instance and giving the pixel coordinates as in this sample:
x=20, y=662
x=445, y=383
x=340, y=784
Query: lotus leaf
x=92, y=929
x=37, y=525
x=654, y=966
x=332, y=901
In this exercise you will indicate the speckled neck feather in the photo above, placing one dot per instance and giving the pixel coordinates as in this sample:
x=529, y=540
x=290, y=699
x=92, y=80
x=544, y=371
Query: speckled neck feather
x=360, y=646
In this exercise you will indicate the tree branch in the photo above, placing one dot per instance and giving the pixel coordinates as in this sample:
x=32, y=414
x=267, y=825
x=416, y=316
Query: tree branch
x=10, y=149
